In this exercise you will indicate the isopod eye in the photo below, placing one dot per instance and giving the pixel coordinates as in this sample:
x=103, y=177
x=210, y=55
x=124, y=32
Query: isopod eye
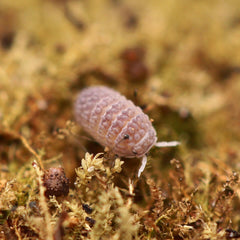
x=126, y=136
x=134, y=152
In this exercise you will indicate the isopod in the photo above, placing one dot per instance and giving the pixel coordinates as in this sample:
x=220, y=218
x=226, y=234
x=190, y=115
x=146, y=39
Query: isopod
x=115, y=122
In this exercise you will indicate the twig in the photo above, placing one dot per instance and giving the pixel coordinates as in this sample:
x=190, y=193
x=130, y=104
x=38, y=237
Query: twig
x=27, y=146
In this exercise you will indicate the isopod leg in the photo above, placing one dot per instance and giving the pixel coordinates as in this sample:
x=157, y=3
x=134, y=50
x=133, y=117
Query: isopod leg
x=143, y=165
x=167, y=144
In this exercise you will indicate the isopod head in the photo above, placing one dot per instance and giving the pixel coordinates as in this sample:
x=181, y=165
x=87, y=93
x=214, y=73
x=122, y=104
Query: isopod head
x=136, y=139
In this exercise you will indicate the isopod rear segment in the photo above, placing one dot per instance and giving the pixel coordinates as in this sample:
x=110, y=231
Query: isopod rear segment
x=116, y=123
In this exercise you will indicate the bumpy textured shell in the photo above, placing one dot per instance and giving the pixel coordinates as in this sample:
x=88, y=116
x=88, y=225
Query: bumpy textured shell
x=114, y=121
x=56, y=182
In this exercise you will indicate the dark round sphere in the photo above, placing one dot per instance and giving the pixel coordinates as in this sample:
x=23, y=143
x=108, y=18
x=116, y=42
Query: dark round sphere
x=56, y=182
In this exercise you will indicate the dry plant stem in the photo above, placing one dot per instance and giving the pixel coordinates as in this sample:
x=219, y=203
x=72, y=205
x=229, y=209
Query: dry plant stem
x=104, y=184
x=17, y=232
x=79, y=24
x=131, y=193
x=53, y=159
x=28, y=147
x=43, y=204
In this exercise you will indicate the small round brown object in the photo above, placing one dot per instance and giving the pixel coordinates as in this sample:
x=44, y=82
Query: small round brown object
x=56, y=182
x=136, y=72
x=132, y=55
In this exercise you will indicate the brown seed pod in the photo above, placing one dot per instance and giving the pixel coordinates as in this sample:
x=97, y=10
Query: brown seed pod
x=56, y=182
x=116, y=123
x=134, y=66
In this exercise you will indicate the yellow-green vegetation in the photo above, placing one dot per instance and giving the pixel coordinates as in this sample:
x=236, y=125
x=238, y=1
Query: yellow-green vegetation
x=178, y=60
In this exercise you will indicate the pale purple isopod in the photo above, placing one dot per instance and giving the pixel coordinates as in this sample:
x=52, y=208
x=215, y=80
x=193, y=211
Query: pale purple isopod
x=116, y=123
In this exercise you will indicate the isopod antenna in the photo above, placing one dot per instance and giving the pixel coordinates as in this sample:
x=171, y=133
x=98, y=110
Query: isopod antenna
x=167, y=144
x=157, y=144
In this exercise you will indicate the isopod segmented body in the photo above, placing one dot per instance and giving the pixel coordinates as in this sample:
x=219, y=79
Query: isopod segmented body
x=115, y=122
